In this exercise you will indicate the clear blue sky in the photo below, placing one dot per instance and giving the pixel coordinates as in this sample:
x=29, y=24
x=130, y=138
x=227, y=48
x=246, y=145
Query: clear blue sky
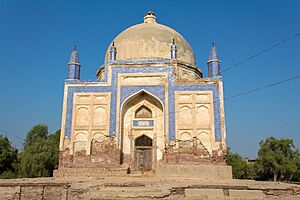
x=36, y=39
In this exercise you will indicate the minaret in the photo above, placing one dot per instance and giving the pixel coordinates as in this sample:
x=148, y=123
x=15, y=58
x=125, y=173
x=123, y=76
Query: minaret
x=113, y=52
x=74, y=65
x=213, y=63
x=173, y=50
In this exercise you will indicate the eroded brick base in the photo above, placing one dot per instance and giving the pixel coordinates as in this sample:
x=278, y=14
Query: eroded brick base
x=103, y=155
x=193, y=155
x=106, y=155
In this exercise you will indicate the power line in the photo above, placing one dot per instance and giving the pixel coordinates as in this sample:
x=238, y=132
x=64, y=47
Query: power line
x=243, y=93
x=261, y=52
x=263, y=87
x=226, y=69
x=8, y=133
x=248, y=59
x=227, y=98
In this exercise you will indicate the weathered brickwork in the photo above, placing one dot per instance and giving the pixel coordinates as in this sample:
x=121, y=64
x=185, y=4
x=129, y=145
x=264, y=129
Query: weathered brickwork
x=104, y=154
x=149, y=187
x=188, y=153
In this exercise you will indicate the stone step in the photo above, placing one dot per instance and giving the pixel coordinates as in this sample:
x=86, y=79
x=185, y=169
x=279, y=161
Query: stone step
x=128, y=192
x=89, y=172
x=197, y=194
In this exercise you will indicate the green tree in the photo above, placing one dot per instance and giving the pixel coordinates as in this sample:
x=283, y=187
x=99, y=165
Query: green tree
x=53, y=150
x=40, y=155
x=240, y=168
x=297, y=175
x=277, y=159
x=36, y=134
x=8, y=159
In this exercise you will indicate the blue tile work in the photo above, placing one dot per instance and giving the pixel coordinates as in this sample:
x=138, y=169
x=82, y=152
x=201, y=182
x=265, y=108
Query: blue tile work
x=129, y=90
x=74, y=71
x=69, y=111
x=74, y=65
x=158, y=91
x=216, y=103
x=214, y=67
x=143, y=123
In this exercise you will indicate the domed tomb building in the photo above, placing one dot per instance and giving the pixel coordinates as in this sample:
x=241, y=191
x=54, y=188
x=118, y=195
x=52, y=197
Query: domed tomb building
x=150, y=108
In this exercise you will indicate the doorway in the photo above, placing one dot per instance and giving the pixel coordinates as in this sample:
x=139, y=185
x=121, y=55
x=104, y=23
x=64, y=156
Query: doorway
x=143, y=153
x=142, y=115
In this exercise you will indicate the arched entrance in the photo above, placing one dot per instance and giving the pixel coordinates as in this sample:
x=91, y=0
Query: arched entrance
x=143, y=153
x=142, y=131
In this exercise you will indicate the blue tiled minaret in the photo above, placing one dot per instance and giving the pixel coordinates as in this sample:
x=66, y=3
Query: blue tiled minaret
x=74, y=65
x=113, y=52
x=173, y=50
x=213, y=63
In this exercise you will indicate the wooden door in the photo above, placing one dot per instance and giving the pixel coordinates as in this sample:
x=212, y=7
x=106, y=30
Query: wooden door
x=143, y=153
x=143, y=158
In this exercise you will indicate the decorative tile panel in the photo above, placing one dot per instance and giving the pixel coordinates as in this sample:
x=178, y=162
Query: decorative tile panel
x=143, y=123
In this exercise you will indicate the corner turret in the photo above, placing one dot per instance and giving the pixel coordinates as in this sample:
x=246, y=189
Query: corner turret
x=113, y=52
x=74, y=65
x=213, y=63
x=173, y=50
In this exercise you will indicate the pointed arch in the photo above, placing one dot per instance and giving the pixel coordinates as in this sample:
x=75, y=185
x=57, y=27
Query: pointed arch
x=143, y=112
x=143, y=140
x=141, y=92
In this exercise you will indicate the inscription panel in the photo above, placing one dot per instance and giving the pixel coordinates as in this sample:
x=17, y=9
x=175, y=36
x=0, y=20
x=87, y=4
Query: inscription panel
x=138, y=79
x=143, y=123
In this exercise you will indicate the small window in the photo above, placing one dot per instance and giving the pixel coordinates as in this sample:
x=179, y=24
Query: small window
x=143, y=112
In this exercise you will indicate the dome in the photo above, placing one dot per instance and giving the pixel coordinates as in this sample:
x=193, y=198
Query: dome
x=150, y=40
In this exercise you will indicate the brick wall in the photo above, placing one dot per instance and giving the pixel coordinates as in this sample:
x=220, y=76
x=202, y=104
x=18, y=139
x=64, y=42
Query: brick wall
x=193, y=155
x=103, y=155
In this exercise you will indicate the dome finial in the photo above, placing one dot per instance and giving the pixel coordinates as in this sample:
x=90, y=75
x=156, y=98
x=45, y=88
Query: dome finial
x=74, y=49
x=150, y=17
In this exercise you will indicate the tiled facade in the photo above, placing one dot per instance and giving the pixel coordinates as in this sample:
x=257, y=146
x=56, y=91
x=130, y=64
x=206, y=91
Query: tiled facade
x=157, y=91
x=183, y=116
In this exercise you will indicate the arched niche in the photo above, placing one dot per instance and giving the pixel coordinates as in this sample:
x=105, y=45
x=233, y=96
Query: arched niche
x=80, y=142
x=202, y=117
x=98, y=136
x=185, y=116
x=82, y=116
x=143, y=112
x=99, y=117
x=205, y=140
x=185, y=136
x=81, y=136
